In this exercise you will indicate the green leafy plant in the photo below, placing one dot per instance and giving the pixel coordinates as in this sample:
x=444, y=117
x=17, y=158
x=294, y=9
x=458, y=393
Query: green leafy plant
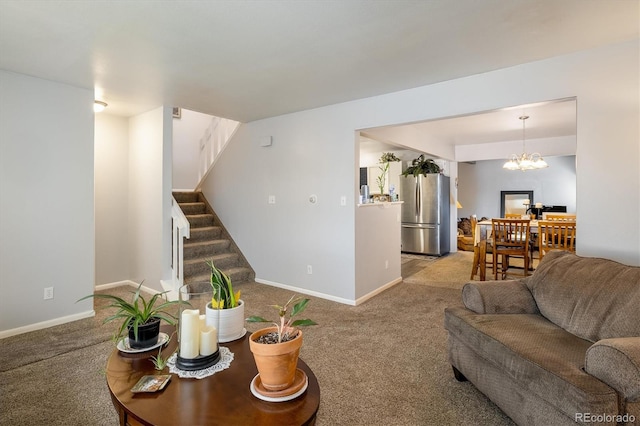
x=139, y=311
x=422, y=166
x=382, y=177
x=388, y=157
x=385, y=159
x=221, y=285
x=287, y=327
x=160, y=362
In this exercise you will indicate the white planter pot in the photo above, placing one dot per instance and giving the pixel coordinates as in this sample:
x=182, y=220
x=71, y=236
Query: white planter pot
x=228, y=322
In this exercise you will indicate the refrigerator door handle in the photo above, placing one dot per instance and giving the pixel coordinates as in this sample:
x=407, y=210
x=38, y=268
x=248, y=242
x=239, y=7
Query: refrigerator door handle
x=418, y=225
x=418, y=199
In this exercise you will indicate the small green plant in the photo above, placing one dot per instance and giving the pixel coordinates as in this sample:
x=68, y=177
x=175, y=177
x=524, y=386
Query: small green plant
x=382, y=177
x=422, y=166
x=222, y=288
x=385, y=159
x=137, y=312
x=388, y=157
x=286, y=327
x=158, y=361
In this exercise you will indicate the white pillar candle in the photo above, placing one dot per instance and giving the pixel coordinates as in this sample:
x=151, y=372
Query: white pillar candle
x=538, y=205
x=189, y=333
x=208, y=340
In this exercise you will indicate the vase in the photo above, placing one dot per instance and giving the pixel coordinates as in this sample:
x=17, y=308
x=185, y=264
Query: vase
x=197, y=341
x=147, y=334
x=277, y=362
x=229, y=322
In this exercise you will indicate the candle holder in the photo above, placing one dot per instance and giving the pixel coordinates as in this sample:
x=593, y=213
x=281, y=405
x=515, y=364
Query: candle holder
x=197, y=342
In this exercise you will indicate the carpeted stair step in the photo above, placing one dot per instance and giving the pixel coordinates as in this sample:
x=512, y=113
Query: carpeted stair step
x=193, y=208
x=237, y=274
x=205, y=248
x=199, y=266
x=203, y=234
x=200, y=220
x=208, y=241
x=186, y=197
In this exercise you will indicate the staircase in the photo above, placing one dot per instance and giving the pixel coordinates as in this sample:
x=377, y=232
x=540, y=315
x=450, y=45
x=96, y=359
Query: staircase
x=209, y=241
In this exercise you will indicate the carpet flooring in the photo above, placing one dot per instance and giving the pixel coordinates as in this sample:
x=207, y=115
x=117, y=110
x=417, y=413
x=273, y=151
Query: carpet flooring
x=381, y=363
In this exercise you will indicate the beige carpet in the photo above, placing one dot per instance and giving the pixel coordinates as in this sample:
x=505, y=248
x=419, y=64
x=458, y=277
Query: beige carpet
x=381, y=363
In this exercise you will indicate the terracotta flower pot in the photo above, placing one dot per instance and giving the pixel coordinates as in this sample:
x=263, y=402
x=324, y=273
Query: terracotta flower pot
x=277, y=362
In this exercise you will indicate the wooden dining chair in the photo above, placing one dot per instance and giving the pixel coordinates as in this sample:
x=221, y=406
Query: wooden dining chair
x=556, y=235
x=510, y=237
x=552, y=216
x=532, y=240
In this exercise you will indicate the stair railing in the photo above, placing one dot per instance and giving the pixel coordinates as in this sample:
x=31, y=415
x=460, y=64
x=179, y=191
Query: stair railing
x=180, y=231
x=216, y=137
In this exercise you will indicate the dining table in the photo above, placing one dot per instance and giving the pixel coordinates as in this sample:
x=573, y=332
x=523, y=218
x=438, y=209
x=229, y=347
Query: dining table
x=482, y=234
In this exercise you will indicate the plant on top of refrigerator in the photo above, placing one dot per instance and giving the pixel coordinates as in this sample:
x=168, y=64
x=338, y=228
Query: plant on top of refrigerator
x=422, y=166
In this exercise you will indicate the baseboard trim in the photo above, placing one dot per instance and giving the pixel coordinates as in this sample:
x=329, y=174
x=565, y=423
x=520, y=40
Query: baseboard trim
x=125, y=282
x=307, y=292
x=330, y=297
x=47, y=324
x=115, y=284
x=378, y=291
x=74, y=317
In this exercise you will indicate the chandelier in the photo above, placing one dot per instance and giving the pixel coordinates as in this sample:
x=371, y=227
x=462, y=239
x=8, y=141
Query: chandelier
x=525, y=161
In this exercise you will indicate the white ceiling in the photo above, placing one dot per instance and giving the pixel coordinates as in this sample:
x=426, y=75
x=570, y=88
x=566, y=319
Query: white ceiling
x=247, y=60
x=546, y=120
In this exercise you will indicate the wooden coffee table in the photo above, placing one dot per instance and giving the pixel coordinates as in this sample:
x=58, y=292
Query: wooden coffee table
x=222, y=399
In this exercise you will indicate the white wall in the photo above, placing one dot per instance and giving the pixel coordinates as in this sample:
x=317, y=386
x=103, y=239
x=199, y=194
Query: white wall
x=112, y=198
x=149, y=200
x=378, y=244
x=479, y=185
x=188, y=131
x=315, y=152
x=312, y=153
x=46, y=201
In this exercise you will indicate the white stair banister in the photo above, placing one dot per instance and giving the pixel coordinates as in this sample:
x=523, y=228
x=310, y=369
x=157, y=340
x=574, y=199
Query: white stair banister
x=180, y=231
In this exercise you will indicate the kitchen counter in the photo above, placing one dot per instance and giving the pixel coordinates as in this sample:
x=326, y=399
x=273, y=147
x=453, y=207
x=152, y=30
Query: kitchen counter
x=384, y=204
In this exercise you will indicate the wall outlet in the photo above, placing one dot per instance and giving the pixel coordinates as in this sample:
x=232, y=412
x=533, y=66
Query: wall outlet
x=272, y=199
x=309, y=270
x=343, y=200
x=48, y=293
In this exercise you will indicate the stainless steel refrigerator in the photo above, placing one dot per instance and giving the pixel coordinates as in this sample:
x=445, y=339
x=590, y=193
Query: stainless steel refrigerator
x=425, y=214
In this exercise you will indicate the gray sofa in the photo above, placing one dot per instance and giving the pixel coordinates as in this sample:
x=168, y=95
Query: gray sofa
x=561, y=346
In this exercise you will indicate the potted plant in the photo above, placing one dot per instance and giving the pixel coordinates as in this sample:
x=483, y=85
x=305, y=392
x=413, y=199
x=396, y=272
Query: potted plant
x=140, y=318
x=276, y=349
x=385, y=159
x=422, y=166
x=226, y=310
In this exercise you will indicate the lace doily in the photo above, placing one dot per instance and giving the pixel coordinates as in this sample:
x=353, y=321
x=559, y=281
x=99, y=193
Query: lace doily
x=226, y=356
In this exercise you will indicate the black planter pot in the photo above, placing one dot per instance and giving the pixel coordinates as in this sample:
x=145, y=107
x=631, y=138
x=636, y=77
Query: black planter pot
x=147, y=335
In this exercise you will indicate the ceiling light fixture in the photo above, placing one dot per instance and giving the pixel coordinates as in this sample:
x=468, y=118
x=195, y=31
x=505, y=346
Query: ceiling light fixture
x=525, y=161
x=99, y=106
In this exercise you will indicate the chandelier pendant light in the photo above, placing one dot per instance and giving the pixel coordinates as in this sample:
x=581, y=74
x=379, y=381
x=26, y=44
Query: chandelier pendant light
x=525, y=161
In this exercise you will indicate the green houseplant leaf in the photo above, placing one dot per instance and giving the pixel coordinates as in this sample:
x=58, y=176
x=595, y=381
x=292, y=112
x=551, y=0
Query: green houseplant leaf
x=221, y=285
x=138, y=311
x=286, y=327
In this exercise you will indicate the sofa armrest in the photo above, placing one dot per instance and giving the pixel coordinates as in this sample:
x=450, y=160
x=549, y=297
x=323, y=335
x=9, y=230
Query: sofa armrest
x=499, y=297
x=617, y=363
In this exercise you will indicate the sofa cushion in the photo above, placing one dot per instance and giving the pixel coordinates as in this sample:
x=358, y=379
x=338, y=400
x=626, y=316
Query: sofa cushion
x=590, y=297
x=540, y=356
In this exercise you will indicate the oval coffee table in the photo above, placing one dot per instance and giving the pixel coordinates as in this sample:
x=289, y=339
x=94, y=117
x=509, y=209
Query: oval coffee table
x=222, y=399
